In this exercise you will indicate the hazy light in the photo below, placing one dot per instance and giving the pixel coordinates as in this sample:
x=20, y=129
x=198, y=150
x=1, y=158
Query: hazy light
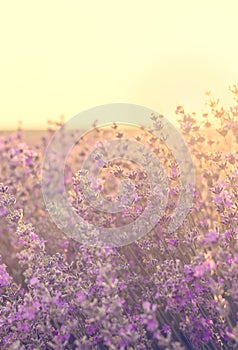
x=61, y=57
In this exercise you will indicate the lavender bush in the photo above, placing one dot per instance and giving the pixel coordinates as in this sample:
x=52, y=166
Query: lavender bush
x=165, y=291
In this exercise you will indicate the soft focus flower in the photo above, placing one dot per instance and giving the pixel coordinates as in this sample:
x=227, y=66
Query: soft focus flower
x=168, y=290
x=4, y=276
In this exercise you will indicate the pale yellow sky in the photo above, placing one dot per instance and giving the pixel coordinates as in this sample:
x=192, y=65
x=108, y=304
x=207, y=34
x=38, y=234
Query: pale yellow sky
x=61, y=57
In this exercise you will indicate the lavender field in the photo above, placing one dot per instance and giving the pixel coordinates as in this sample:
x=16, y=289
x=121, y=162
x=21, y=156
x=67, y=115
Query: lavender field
x=166, y=290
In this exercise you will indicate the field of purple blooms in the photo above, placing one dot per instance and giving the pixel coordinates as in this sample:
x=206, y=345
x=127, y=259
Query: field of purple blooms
x=165, y=291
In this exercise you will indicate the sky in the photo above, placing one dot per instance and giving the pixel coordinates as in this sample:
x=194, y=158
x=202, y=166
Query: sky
x=62, y=57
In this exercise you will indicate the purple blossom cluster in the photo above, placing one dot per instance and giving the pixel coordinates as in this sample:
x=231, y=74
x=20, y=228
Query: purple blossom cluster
x=171, y=291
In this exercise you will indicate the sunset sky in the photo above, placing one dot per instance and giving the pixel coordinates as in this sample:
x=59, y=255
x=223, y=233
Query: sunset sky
x=62, y=57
